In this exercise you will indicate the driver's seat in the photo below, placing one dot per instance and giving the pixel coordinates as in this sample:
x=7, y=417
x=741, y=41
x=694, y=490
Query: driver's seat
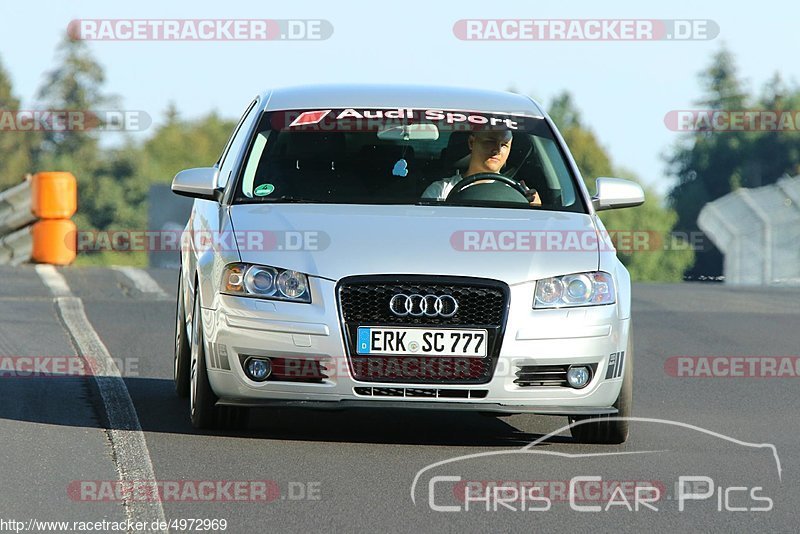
x=521, y=150
x=456, y=155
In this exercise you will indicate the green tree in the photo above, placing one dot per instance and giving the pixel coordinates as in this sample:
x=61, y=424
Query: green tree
x=180, y=144
x=113, y=183
x=591, y=158
x=774, y=153
x=709, y=164
x=662, y=259
x=17, y=148
x=76, y=84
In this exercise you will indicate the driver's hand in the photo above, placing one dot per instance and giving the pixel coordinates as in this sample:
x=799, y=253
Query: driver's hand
x=531, y=194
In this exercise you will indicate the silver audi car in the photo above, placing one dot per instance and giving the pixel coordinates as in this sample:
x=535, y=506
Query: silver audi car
x=402, y=247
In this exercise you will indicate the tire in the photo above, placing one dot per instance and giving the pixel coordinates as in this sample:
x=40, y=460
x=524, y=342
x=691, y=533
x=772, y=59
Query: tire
x=601, y=430
x=183, y=351
x=204, y=412
x=202, y=401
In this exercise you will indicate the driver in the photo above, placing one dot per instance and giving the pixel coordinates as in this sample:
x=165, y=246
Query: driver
x=488, y=154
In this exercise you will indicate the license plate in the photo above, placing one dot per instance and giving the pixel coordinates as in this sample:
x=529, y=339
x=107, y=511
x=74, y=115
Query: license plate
x=421, y=341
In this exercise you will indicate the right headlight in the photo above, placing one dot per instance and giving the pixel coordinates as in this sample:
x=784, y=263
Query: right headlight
x=262, y=281
x=580, y=289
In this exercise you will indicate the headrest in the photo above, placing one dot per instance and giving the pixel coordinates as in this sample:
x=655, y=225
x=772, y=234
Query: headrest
x=457, y=148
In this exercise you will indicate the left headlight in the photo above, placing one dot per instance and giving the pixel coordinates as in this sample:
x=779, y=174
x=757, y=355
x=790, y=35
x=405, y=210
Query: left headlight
x=580, y=289
x=262, y=281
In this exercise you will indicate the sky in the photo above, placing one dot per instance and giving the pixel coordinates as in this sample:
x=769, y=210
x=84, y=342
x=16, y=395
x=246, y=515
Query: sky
x=623, y=89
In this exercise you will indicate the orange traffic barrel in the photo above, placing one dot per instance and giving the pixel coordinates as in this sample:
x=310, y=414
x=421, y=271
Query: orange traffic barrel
x=54, y=195
x=54, y=241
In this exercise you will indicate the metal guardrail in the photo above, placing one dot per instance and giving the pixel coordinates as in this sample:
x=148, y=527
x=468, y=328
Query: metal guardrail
x=16, y=244
x=758, y=230
x=17, y=247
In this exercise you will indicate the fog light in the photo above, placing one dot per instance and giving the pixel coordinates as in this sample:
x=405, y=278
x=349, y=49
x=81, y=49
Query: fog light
x=257, y=369
x=578, y=377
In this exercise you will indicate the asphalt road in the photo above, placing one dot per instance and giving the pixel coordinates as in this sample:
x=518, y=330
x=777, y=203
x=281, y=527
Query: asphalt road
x=402, y=471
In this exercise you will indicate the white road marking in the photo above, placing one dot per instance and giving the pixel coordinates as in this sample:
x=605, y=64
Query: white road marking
x=53, y=280
x=142, y=281
x=131, y=455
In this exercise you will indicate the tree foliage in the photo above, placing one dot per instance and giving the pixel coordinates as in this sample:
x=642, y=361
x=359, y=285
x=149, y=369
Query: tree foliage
x=711, y=164
x=75, y=84
x=179, y=144
x=18, y=149
x=113, y=184
x=664, y=258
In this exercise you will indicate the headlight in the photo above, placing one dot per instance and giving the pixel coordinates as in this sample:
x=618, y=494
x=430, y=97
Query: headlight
x=581, y=289
x=245, y=280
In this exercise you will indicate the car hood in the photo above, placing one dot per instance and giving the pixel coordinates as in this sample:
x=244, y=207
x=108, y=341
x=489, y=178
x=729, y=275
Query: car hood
x=333, y=240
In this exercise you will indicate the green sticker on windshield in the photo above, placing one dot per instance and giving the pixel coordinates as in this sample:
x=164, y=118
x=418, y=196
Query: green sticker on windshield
x=264, y=190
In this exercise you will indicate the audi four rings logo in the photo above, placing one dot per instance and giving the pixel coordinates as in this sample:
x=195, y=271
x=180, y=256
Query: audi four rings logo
x=423, y=305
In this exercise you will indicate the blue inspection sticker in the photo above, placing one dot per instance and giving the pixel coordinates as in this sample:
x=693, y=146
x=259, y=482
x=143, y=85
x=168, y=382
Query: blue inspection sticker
x=363, y=340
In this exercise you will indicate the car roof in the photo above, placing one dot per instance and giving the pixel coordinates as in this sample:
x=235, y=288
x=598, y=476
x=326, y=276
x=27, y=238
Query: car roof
x=338, y=96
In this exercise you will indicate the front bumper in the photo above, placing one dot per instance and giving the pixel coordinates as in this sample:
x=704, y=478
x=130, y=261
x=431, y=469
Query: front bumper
x=242, y=327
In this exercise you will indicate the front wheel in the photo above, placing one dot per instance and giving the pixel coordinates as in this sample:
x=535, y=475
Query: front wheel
x=601, y=430
x=183, y=350
x=202, y=401
x=205, y=414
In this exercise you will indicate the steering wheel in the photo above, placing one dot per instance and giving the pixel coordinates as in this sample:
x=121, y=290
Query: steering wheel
x=505, y=180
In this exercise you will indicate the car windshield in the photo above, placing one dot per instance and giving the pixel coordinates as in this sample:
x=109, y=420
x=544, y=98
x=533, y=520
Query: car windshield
x=407, y=156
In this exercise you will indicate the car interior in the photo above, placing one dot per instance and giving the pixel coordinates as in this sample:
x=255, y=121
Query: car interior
x=359, y=167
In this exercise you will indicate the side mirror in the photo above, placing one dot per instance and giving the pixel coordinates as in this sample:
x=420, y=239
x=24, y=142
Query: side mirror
x=197, y=183
x=617, y=193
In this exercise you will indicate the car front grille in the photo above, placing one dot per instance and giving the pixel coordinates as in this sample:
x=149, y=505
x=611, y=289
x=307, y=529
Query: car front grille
x=542, y=376
x=422, y=392
x=545, y=375
x=482, y=303
x=369, y=303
